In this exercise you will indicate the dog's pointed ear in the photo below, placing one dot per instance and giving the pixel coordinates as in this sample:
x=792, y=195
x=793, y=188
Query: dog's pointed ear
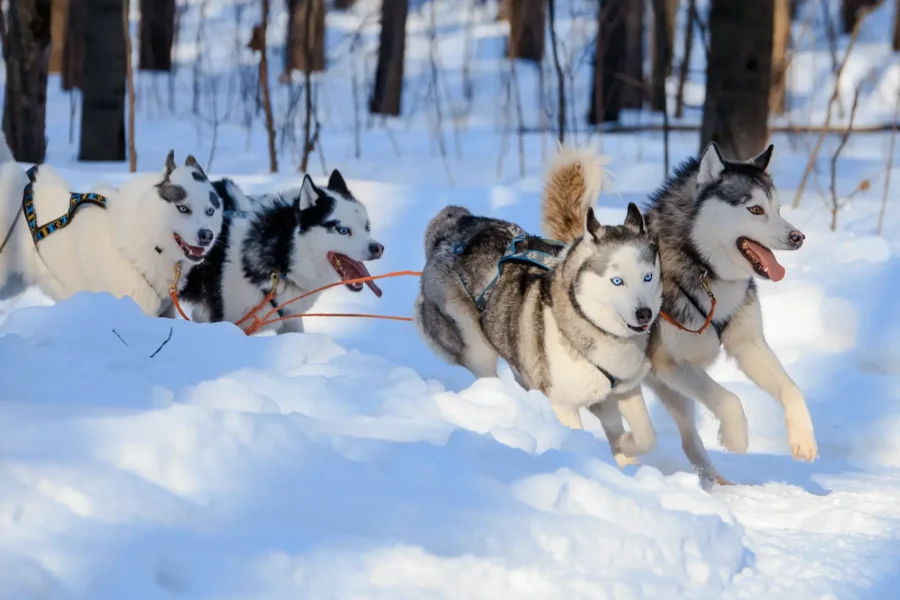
x=762, y=161
x=170, y=162
x=190, y=161
x=592, y=226
x=308, y=195
x=711, y=165
x=337, y=184
x=634, y=220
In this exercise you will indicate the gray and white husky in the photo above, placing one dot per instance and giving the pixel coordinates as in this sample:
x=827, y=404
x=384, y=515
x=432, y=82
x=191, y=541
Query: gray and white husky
x=716, y=223
x=309, y=237
x=578, y=331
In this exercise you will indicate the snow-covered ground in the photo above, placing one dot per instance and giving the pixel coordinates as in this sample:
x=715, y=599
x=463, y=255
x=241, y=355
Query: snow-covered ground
x=350, y=463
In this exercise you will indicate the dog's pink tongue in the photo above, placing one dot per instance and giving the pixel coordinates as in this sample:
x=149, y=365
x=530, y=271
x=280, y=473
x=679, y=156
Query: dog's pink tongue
x=769, y=263
x=364, y=272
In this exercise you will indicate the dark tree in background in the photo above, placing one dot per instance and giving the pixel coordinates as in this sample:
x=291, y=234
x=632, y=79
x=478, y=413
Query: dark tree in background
x=157, y=32
x=738, y=76
x=73, y=53
x=388, y=91
x=343, y=4
x=632, y=84
x=663, y=49
x=527, y=29
x=27, y=58
x=609, y=62
x=896, y=37
x=850, y=10
x=298, y=46
x=103, y=84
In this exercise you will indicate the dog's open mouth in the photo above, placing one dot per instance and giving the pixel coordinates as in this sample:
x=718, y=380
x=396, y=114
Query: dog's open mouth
x=638, y=328
x=350, y=269
x=194, y=253
x=763, y=260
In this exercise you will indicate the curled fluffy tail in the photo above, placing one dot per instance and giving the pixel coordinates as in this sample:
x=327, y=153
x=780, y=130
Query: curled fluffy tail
x=571, y=185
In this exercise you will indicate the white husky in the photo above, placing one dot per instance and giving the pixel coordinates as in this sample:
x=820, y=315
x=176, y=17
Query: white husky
x=128, y=248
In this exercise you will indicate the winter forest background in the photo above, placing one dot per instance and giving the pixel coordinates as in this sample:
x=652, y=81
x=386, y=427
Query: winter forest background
x=149, y=459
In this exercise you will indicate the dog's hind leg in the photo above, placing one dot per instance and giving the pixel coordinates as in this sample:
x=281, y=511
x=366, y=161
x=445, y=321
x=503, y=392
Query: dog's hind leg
x=694, y=382
x=682, y=410
x=745, y=342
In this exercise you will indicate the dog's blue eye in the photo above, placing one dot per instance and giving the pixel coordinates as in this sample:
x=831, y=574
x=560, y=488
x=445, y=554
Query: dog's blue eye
x=183, y=209
x=343, y=230
x=210, y=212
x=617, y=281
x=648, y=277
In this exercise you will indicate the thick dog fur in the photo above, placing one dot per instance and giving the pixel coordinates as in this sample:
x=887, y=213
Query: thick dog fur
x=698, y=218
x=128, y=249
x=292, y=234
x=569, y=332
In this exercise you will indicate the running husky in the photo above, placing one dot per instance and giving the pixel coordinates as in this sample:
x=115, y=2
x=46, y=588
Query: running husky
x=123, y=241
x=572, y=321
x=308, y=237
x=716, y=223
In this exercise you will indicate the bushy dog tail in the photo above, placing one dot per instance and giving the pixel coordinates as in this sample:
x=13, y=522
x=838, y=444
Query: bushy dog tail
x=571, y=185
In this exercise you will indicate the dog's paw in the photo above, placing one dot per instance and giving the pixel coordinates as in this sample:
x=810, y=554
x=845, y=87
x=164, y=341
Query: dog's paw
x=733, y=427
x=623, y=460
x=802, y=441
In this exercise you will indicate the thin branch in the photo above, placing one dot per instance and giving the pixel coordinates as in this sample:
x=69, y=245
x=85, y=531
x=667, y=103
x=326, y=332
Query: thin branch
x=129, y=76
x=560, y=80
x=120, y=338
x=889, y=166
x=835, y=206
x=163, y=345
x=834, y=96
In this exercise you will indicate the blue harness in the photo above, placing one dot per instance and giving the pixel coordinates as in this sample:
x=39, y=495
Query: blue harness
x=76, y=201
x=537, y=258
x=534, y=257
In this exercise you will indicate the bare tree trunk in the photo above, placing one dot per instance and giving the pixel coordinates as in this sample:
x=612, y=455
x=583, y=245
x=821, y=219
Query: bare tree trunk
x=103, y=100
x=258, y=44
x=685, y=58
x=850, y=10
x=527, y=25
x=633, y=86
x=27, y=58
x=58, y=16
x=738, y=77
x=129, y=77
x=73, y=52
x=295, y=56
x=663, y=49
x=388, y=91
x=503, y=10
x=157, y=34
x=896, y=40
x=609, y=62
x=560, y=79
x=780, y=41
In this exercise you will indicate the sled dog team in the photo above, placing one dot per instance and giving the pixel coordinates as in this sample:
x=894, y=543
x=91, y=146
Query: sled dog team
x=585, y=315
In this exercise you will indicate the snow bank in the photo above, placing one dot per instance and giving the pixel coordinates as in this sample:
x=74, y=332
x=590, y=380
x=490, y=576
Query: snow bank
x=290, y=467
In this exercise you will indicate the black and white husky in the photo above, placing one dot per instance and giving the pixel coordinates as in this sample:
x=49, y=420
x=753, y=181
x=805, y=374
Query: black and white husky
x=308, y=237
x=125, y=241
x=572, y=321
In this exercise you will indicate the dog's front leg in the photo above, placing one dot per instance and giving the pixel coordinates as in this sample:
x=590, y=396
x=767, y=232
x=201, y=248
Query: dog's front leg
x=642, y=437
x=745, y=342
x=694, y=382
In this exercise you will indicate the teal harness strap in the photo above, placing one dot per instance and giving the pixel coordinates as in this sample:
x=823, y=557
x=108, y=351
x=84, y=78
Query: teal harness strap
x=76, y=201
x=535, y=257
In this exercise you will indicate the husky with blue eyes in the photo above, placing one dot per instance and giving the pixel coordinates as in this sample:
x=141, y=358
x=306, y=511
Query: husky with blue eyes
x=571, y=315
x=309, y=237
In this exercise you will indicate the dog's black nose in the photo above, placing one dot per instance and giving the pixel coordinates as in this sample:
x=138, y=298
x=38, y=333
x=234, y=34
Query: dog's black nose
x=796, y=238
x=205, y=237
x=643, y=315
x=376, y=250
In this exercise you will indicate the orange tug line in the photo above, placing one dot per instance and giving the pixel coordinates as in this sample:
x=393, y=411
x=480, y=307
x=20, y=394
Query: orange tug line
x=258, y=323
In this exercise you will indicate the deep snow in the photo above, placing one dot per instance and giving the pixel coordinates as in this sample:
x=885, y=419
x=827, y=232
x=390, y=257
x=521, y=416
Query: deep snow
x=350, y=462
